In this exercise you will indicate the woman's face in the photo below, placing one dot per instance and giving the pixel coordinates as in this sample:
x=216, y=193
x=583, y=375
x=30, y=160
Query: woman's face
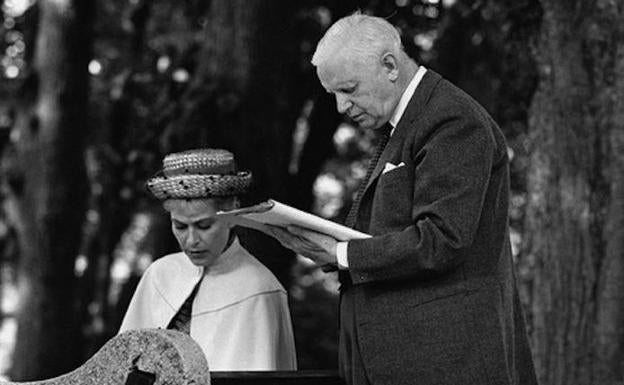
x=201, y=237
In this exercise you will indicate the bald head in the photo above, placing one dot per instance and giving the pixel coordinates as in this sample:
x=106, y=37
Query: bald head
x=359, y=37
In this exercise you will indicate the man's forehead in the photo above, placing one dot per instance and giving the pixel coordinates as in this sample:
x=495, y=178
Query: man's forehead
x=336, y=73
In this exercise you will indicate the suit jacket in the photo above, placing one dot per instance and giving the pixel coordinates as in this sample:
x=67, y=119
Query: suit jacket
x=434, y=288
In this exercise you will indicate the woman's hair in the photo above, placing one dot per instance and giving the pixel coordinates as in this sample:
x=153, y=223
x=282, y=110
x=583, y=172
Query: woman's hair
x=358, y=36
x=201, y=204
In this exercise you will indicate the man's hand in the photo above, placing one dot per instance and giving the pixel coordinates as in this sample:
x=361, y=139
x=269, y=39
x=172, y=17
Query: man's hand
x=318, y=247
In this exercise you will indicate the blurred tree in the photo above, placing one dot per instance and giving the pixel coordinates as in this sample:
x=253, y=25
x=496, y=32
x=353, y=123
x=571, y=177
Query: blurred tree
x=575, y=217
x=45, y=184
x=243, y=96
x=116, y=163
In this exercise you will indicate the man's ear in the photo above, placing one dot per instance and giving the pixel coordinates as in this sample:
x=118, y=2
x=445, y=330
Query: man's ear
x=390, y=65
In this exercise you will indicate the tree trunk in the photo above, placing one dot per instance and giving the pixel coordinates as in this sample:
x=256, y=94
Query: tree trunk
x=575, y=218
x=47, y=190
x=246, y=72
x=243, y=98
x=107, y=151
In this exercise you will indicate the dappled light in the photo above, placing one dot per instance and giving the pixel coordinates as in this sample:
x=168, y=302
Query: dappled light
x=16, y=8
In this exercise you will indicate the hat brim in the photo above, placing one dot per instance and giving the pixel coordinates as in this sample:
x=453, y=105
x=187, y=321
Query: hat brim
x=199, y=186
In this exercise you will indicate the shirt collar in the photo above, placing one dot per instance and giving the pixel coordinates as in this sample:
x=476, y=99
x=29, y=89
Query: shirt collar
x=407, y=95
x=227, y=261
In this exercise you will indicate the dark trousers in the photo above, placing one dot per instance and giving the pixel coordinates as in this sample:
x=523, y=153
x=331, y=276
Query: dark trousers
x=351, y=366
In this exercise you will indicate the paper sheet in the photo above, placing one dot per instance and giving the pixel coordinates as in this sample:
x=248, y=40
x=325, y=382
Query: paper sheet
x=279, y=214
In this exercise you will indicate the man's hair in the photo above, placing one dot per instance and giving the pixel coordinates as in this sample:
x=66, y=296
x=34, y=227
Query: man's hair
x=360, y=37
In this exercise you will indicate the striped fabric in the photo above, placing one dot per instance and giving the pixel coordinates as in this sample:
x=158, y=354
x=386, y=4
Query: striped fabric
x=352, y=216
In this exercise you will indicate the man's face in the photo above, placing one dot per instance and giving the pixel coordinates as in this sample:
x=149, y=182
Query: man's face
x=364, y=90
x=200, y=236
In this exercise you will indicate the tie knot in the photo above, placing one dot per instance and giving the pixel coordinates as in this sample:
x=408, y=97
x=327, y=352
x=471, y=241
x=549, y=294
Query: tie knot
x=384, y=136
x=386, y=129
x=384, y=133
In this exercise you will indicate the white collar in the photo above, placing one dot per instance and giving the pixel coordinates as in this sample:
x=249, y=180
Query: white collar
x=405, y=98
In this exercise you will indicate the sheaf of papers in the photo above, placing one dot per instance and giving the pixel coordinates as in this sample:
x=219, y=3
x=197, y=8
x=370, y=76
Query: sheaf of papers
x=279, y=214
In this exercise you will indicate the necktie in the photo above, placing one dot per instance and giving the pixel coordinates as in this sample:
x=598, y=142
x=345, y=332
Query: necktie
x=182, y=320
x=352, y=216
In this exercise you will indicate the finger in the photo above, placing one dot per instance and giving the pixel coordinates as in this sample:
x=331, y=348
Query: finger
x=289, y=240
x=301, y=232
x=279, y=234
x=268, y=230
x=296, y=230
x=307, y=236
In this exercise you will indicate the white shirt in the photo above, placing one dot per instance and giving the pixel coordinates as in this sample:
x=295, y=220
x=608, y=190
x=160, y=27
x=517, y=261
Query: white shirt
x=341, y=247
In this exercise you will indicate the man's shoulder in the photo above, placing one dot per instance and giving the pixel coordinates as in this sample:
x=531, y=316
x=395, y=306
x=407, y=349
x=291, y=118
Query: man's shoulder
x=449, y=108
x=449, y=98
x=439, y=101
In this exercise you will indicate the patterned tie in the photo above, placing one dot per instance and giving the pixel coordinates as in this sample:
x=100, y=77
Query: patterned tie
x=182, y=320
x=385, y=136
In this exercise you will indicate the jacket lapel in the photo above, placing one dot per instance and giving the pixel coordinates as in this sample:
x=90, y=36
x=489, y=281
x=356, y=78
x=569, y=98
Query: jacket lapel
x=176, y=283
x=414, y=107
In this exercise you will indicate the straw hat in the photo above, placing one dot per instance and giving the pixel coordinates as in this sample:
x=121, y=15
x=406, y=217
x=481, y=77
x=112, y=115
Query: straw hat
x=201, y=173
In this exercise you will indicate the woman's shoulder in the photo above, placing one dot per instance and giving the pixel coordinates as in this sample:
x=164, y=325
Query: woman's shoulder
x=256, y=275
x=244, y=279
x=175, y=264
x=167, y=261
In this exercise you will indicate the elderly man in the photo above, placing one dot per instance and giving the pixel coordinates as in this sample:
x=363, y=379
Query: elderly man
x=431, y=298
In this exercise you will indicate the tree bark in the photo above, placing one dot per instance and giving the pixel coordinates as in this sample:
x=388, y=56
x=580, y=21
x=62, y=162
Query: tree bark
x=47, y=190
x=575, y=218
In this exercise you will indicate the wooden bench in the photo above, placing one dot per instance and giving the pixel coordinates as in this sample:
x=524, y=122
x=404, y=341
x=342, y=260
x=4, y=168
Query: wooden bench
x=301, y=377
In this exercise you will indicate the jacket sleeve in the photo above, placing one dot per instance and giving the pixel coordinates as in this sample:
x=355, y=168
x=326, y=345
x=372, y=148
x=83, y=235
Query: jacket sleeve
x=451, y=175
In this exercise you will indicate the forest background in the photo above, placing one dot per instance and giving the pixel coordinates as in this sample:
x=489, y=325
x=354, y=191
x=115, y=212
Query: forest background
x=94, y=93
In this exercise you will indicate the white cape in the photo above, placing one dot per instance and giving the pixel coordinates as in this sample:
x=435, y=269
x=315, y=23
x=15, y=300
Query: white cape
x=240, y=314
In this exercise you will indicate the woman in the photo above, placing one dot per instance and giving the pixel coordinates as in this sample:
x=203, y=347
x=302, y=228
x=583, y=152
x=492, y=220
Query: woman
x=229, y=302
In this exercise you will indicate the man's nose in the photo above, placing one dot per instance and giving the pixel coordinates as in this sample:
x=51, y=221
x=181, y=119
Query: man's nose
x=342, y=103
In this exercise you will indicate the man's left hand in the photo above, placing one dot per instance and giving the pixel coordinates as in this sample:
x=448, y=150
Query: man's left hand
x=318, y=247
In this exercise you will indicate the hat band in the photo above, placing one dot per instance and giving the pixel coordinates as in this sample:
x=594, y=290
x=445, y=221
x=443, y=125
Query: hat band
x=199, y=186
x=204, y=169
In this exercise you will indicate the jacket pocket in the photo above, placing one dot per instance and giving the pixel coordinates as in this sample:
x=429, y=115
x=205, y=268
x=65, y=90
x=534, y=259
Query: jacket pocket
x=392, y=202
